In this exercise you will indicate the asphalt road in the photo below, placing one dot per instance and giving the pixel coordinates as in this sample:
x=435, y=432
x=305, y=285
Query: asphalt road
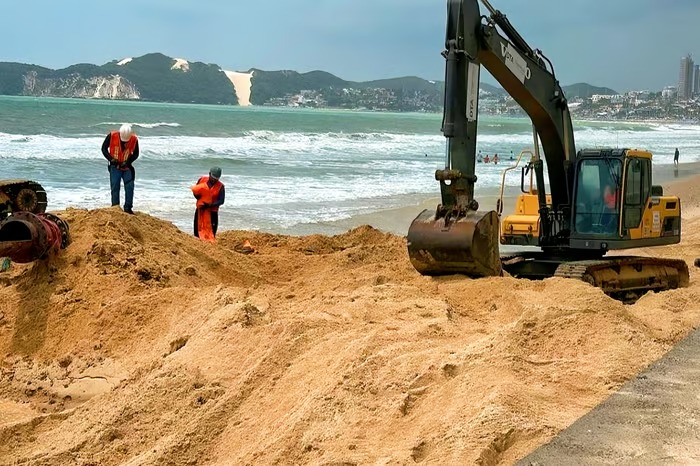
x=653, y=419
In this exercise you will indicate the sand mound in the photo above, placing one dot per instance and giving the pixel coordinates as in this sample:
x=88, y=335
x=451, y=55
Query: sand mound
x=140, y=344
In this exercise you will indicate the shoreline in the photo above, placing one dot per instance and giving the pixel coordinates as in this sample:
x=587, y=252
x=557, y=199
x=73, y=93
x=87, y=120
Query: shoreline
x=397, y=220
x=244, y=85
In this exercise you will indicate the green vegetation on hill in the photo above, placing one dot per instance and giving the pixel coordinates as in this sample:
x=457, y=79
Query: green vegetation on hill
x=153, y=77
x=12, y=76
x=268, y=85
x=324, y=89
x=584, y=90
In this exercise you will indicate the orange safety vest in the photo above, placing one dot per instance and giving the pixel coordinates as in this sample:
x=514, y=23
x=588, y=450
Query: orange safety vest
x=610, y=198
x=115, y=147
x=206, y=194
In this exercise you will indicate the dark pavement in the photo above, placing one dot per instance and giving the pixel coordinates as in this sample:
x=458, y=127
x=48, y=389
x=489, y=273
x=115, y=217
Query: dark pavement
x=653, y=419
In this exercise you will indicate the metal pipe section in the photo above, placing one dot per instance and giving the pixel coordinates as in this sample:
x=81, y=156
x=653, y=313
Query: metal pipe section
x=26, y=237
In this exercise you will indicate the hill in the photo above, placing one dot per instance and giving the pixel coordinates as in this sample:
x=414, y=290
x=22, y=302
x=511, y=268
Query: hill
x=157, y=77
x=152, y=77
x=585, y=90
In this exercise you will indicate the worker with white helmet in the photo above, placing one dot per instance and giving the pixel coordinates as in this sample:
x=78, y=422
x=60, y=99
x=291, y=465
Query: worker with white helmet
x=121, y=149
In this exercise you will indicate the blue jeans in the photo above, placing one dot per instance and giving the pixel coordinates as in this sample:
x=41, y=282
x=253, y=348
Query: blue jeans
x=115, y=178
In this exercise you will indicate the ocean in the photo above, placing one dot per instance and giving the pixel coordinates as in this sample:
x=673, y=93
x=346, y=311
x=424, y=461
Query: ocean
x=286, y=170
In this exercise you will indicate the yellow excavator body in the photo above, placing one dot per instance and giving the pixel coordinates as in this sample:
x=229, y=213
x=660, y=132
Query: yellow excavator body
x=523, y=225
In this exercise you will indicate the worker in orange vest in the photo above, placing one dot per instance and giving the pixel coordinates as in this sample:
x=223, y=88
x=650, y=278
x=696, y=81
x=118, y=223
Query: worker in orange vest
x=610, y=196
x=610, y=216
x=121, y=149
x=210, y=194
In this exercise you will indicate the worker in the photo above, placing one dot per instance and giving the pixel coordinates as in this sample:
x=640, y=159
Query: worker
x=610, y=218
x=121, y=149
x=610, y=196
x=210, y=195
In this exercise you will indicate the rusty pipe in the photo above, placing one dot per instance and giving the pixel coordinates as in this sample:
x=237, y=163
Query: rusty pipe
x=26, y=237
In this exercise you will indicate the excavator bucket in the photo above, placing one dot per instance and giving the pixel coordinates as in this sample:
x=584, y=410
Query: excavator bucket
x=467, y=246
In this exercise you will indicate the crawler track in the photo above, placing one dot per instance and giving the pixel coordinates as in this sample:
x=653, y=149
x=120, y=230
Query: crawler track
x=628, y=277
x=21, y=195
x=624, y=278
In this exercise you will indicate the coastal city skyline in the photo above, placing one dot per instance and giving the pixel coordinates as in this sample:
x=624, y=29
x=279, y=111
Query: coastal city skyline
x=688, y=79
x=343, y=39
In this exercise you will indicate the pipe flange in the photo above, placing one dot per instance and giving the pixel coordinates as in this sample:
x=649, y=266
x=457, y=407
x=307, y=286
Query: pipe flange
x=63, y=226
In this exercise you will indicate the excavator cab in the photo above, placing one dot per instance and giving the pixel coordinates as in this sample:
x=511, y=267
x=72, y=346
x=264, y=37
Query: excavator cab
x=616, y=206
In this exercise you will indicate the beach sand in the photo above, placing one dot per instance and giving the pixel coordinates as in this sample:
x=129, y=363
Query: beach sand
x=140, y=344
x=241, y=83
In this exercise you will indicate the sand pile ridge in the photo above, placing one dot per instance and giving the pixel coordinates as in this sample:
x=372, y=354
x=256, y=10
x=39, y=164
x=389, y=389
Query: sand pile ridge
x=140, y=344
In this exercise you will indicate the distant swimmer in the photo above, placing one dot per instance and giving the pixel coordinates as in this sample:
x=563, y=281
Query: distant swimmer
x=210, y=195
x=495, y=158
x=479, y=158
x=121, y=149
x=675, y=157
x=511, y=155
x=486, y=158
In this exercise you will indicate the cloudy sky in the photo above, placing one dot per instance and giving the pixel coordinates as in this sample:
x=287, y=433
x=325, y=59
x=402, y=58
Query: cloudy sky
x=623, y=44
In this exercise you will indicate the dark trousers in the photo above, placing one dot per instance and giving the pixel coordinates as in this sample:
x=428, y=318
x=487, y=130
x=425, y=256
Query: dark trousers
x=214, y=221
x=115, y=179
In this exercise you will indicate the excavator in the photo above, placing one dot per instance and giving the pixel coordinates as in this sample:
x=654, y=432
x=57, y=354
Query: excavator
x=599, y=200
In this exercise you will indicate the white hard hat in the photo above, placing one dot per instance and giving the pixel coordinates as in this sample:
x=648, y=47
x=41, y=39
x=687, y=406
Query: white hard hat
x=125, y=132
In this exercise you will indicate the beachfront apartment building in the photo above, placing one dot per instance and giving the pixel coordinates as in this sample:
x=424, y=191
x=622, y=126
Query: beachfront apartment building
x=686, y=81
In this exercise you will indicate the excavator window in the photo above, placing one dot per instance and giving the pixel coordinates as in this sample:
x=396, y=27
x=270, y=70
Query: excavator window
x=597, y=196
x=637, y=189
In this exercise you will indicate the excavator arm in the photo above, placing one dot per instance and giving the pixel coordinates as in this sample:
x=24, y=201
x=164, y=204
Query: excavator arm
x=457, y=237
x=521, y=71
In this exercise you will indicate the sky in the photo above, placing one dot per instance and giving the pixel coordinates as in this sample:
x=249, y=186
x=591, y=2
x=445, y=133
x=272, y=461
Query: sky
x=621, y=44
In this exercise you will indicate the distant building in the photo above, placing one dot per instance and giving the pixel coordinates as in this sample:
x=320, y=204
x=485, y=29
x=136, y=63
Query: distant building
x=696, y=81
x=668, y=92
x=595, y=98
x=685, y=78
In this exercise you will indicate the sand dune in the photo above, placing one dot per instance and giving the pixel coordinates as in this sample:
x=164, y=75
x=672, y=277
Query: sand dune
x=241, y=83
x=140, y=344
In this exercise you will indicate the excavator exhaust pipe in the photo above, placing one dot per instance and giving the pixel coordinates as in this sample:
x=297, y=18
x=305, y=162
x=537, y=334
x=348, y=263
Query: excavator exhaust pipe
x=468, y=245
x=26, y=237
